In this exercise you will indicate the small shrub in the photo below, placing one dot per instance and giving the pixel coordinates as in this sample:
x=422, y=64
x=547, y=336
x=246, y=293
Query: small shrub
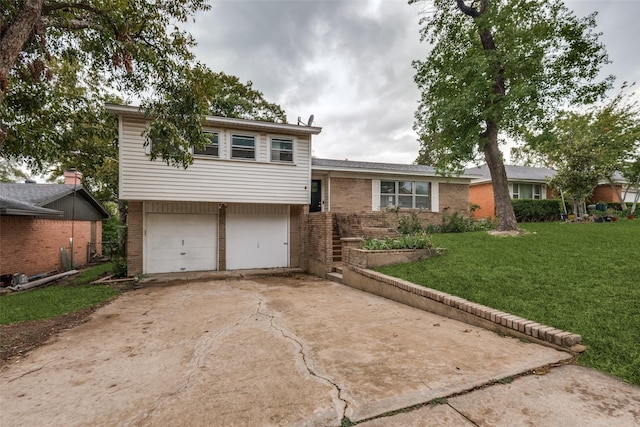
x=534, y=210
x=408, y=241
x=410, y=224
x=458, y=224
x=119, y=268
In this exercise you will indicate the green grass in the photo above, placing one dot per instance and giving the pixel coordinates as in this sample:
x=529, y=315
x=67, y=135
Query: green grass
x=56, y=300
x=582, y=278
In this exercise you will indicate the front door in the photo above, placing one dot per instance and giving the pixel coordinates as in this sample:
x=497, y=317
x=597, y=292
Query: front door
x=316, y=196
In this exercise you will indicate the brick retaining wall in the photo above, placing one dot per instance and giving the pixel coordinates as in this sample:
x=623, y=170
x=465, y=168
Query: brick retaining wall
x=458, y=308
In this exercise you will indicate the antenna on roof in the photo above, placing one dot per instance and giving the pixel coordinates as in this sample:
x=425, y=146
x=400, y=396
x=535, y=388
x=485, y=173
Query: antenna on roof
x=309, y=122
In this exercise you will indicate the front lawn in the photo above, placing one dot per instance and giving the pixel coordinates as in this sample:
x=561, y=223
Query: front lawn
x=582, y=278
x=56, y=299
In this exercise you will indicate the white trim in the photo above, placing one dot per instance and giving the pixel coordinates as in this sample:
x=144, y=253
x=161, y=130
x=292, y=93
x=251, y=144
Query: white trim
x=375, y=195
x=435, y=196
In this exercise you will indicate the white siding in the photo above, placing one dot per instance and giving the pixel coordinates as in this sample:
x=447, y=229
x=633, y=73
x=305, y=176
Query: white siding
x=220, y=180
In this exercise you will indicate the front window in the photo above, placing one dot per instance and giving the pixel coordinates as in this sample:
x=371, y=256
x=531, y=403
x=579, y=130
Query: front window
x=281, y=150
x=211, y=149
x=526, y=191
x=405, y=194
x=243, y=147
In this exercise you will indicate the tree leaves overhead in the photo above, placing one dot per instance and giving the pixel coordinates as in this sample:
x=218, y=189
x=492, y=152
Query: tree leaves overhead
x=60, y=62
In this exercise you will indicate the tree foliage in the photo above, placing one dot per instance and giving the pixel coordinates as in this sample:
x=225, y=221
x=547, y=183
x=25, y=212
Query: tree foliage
x=589, y=146
x=60, y=62
x=500, y=68
x=202, y=92
x=48, y=48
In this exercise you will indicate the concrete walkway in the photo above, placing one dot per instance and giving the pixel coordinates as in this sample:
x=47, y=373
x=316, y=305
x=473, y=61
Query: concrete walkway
x=274, y=351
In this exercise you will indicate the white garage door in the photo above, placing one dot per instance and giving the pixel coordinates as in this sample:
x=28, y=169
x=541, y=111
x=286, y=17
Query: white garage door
x=180, y=242
x=257, y=236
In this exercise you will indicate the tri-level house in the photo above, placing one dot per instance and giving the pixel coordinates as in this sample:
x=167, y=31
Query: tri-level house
x=238, y=206
x=255, y=198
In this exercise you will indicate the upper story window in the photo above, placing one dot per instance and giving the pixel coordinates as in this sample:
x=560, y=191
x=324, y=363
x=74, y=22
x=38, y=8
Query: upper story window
x=405, y=194
x=212, y=149
x=281, y=150
x=526, y=191
x=243, y=147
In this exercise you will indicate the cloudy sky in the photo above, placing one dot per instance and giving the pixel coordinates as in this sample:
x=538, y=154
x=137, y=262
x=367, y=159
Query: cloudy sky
x=348, y=62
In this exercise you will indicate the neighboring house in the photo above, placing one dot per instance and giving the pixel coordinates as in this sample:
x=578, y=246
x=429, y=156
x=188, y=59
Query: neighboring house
x=527, y=182
x=245, y=200
x=605, y=193
x=238, y=206
x=39, y=224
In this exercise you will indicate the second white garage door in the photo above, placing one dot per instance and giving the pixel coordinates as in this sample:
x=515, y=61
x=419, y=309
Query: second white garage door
x=180, y=242
x=257, y=236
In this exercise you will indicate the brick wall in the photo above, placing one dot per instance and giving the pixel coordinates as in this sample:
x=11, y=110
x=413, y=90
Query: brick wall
x=134, y=238
x=482, y=195
x=604, y=193
x=454, y=198
x=350, y=195
x=317, y=243
x=297, y=214
x=32, y=245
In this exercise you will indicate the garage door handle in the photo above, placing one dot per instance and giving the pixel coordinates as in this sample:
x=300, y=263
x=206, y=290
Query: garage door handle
x=183, y=253
x=285, y=243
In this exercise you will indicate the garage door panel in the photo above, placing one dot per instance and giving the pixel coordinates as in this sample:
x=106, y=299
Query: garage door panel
x=257, y=237
x=180, y=242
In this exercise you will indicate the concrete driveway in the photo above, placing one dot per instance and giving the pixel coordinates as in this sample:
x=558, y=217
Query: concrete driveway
x=271, y=351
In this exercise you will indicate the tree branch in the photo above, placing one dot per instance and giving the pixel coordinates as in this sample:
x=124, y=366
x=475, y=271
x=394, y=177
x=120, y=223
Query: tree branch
x=79, y=23
x=467, y=10
x=14, y=39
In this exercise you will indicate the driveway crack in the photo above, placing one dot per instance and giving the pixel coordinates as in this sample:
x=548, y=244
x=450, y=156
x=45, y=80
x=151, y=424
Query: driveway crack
x=305, y=357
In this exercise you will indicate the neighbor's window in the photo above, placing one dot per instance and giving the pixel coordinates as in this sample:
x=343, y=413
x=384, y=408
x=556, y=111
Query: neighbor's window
x=526, y=191
x=212, y=148
x=405, y=194
x=281, y=150
x=243, y=147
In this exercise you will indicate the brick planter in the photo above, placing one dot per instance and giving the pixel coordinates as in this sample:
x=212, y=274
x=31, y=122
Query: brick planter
x=367, y=259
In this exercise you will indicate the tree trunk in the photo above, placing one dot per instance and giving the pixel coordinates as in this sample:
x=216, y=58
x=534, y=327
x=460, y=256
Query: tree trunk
x=11, y=43
x=502, y=199
x=623, y=205
x=493, y=156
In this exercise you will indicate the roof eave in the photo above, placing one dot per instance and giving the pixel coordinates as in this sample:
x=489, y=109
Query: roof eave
x=132, y=111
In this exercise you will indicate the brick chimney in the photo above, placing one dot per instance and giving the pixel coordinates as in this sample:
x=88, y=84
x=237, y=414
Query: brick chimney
x=72, y=177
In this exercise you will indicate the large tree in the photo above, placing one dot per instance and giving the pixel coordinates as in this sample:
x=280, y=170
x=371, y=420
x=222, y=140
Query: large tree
x=52, y=51
x=498, y=69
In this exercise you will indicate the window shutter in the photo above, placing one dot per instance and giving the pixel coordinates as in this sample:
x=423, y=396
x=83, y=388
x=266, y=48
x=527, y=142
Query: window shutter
x=375, y=194
x=435, y=197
